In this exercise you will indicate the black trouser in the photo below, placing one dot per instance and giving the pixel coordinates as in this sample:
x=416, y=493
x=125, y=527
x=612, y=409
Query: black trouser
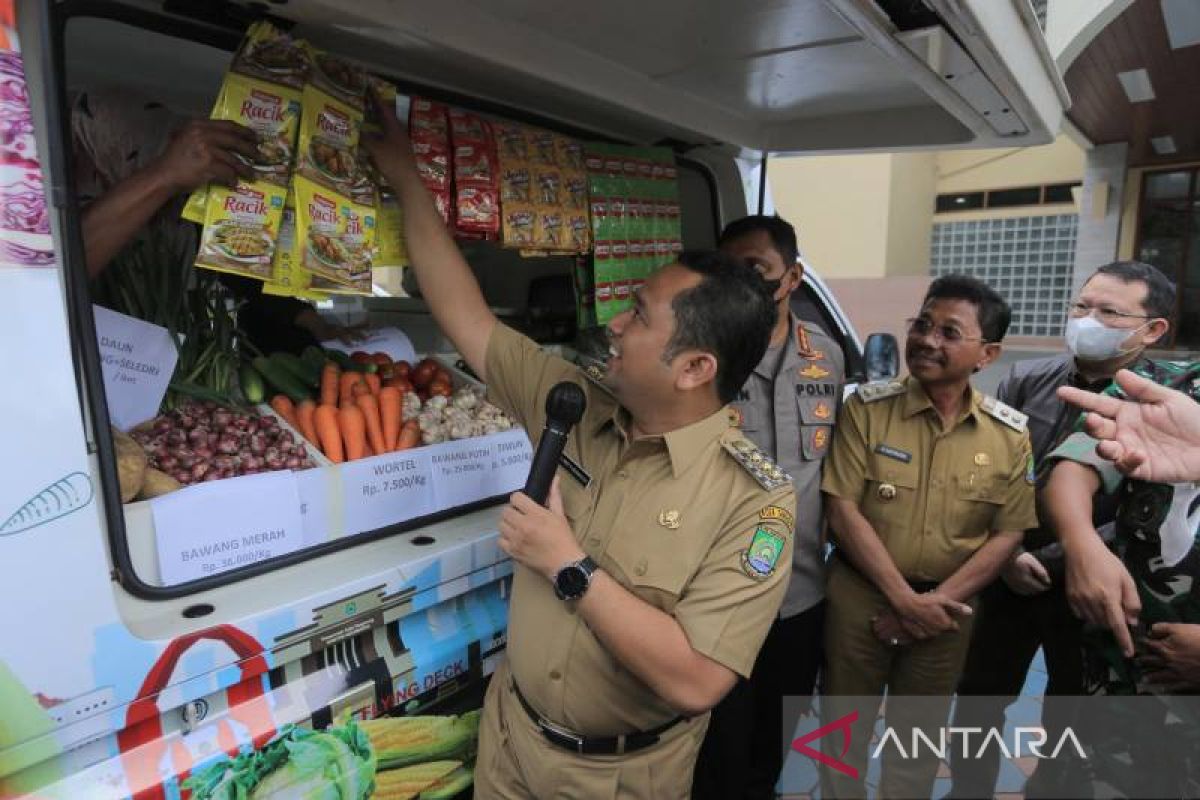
x=743, y=751
x=1008, y=631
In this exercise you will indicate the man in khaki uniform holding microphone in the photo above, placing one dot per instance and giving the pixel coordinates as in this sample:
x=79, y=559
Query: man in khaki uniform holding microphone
x=929, y=486
x=648, y=584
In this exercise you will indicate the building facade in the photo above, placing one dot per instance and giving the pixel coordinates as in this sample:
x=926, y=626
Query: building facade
x=1122, y=181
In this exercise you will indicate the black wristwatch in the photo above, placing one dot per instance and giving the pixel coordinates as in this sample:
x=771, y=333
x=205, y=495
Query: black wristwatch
x=573, y=580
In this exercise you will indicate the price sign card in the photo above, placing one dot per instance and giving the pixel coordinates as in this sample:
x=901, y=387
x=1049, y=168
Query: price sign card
x=462, y=470
x=217, y=526
x=386, y=489
x=475, y=469
x=137, y=360
x=511, y=459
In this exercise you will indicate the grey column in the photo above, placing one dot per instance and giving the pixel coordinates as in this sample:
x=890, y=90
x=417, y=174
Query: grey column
x=1099, y=229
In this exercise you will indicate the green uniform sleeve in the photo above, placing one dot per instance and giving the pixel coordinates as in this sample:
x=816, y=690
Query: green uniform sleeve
x=1081, y=448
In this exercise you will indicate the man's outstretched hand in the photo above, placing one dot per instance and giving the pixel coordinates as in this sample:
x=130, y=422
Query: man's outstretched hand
x=1153, y=436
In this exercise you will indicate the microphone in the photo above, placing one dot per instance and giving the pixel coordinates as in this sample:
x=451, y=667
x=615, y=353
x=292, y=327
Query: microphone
x=564, y=407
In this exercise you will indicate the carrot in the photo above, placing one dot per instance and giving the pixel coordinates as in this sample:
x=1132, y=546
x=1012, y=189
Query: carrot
x=374, y=383
x=369, y=406
x=354, y=431
x=304, y=416
x=330, y=377
x=325, y=418
x=285, y=408
x=410, y=436
x=346, y=384
x=390, y=410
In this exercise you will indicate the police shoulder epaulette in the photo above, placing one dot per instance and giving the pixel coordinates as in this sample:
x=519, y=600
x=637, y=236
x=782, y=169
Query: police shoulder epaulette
x=766, y=472
x=879, y=390
x=1006, y=414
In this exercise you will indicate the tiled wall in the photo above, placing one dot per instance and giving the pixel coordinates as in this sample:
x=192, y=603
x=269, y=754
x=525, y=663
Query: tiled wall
x=1028, y=260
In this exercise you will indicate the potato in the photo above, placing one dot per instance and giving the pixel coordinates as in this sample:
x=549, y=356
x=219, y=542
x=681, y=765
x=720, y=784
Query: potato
x=131, y=465
x=157, y=483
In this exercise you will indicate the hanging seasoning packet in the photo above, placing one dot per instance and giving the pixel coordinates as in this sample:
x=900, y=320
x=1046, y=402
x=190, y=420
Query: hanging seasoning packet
x=240, y=228
x=271, y=55
x=273, y=113
x=335, y=239
x=327, y=153
x=338, y=78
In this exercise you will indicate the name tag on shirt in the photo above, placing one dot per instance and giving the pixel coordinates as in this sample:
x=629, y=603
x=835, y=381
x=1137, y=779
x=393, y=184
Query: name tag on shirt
x=893, y=452
x=575, y=470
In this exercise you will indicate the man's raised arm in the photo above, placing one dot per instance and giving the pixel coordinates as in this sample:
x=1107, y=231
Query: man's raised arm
x=446, y=281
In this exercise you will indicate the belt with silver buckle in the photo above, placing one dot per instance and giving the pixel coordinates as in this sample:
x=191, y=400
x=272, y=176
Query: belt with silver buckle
x=592, y=745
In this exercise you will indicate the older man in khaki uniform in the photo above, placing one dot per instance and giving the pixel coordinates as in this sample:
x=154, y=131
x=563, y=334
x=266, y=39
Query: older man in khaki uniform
x=930, y=485
x=650, y=580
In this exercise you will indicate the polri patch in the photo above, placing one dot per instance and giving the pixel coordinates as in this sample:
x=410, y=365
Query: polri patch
x=781, y=514
x=761, y=557
x=893, y=452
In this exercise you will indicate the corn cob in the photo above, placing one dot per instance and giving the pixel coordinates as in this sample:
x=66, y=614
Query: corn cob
x=400, y=741
x=450, y=786
x=408, y=782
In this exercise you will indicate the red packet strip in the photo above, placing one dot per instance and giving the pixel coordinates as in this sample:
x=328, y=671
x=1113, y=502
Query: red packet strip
x=430, y=134
x=476, y=175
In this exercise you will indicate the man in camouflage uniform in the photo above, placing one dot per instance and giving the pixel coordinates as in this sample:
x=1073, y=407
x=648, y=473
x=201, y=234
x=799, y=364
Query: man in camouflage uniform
x=1138, y=746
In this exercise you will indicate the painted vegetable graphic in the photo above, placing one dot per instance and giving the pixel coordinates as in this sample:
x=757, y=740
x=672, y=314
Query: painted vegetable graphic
x=69, y=493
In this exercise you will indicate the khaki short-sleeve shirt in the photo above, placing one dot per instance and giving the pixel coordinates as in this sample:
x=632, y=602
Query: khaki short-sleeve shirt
x=674, y=519
x=933, y=495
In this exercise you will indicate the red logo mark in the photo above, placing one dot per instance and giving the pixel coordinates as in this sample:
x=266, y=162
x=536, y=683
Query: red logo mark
x=800, y=745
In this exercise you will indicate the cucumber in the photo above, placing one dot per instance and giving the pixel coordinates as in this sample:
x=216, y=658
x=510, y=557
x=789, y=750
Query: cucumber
x=252, y=384
x=306, y=373
x=283, y=380
x=315, y=357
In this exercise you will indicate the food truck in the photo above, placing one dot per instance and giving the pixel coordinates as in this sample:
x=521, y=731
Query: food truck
x=227, y=566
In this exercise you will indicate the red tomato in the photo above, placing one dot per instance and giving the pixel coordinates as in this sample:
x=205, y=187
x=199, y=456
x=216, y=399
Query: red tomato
x=440, y=387
x=360, y=357
x=444, y=376
x=402, y=368
x=424, y=374
x=382, y=359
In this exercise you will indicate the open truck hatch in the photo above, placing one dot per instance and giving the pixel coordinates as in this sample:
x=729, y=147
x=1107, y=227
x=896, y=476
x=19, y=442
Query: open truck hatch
x=806, y=75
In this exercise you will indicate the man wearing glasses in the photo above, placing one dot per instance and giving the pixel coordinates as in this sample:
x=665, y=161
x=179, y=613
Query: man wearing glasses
x=1121, y=310
x=928, y=487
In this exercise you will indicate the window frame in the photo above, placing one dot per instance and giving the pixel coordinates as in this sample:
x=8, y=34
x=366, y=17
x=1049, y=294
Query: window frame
x=69, y=246
x=1179, y=274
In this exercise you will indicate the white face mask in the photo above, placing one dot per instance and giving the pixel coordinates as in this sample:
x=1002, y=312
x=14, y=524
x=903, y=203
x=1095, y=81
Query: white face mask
x=1092, y=340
